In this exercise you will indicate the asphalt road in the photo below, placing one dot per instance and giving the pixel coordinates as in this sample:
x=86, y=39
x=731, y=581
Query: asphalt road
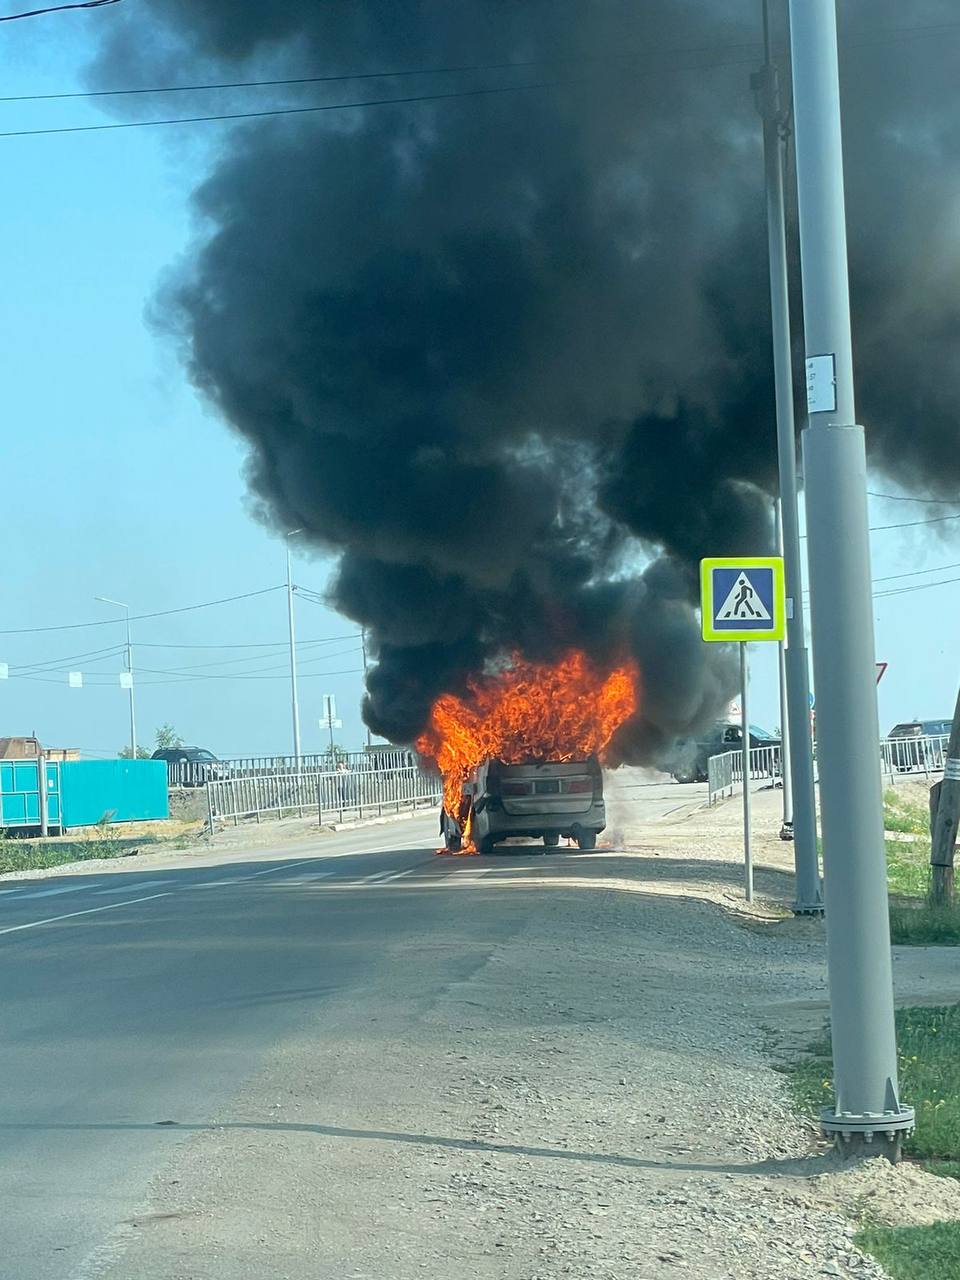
x=131, y=998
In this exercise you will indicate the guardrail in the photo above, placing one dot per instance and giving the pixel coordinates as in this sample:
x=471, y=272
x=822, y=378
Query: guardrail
x=197, y=773
x=720, y=776
x=333, y=795
x=725, y=772
x=913, y=755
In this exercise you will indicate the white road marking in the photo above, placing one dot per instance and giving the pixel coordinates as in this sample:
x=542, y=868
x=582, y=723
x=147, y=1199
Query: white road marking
x=107, y=906
x=396, y=875
x=127, y=888
x=50, y=893
x=129, y=902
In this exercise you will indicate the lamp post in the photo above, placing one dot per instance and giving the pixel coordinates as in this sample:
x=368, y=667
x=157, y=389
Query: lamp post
x=133, y=715
x=294, y=699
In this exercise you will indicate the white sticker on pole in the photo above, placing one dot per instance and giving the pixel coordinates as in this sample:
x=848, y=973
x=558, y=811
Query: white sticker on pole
x=126, y=679
x=951, y=769
x=75, y=679
x=4, y=671
x=821, y=384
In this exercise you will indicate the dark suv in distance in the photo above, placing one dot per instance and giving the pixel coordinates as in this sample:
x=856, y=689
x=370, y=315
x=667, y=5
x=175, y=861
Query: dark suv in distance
x=690, y=759
x=190, y=766
x=910, y=746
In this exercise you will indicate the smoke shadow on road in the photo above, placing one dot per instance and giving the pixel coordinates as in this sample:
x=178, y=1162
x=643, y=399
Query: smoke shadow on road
x=795, y=1166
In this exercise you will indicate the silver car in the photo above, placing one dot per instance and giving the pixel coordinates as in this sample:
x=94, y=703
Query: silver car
x=545, y=799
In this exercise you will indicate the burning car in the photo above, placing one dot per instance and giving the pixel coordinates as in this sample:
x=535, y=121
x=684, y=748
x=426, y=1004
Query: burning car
x=538, y=799
x=520, y=755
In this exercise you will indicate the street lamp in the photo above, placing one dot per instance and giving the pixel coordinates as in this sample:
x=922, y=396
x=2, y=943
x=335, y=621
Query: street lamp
x=133, y=716
x=294, y=701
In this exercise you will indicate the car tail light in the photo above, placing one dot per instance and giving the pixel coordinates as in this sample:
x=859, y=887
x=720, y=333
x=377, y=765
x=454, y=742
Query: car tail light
x=578, y=786
x=516, y=789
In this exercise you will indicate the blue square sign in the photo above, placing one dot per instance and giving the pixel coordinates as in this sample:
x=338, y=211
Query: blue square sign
x=742, y=598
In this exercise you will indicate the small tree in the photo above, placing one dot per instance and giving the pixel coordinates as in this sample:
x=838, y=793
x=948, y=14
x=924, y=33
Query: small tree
x=142, y=753
x=167, y=739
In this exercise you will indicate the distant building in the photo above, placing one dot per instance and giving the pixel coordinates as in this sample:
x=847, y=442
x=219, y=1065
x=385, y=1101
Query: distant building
x=29, y=749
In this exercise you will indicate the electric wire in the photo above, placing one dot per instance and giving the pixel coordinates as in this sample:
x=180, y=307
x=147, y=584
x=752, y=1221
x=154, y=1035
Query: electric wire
x=57, y=8
x=140, y=617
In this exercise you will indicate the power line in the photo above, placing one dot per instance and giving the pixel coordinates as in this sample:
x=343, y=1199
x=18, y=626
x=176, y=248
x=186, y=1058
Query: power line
x=267, y=644
x=919, y=586
x=297, y=111
x=140, y=617
x=904, y=524
x=394, y=74
x=57, y=8
x=397, y=73
x=902, y=497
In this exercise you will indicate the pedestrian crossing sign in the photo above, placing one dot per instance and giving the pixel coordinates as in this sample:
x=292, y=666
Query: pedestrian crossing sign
x=742, y=598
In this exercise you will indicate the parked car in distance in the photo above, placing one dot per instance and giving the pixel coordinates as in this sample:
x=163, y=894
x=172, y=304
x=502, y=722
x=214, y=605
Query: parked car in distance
x=539, y=799
x=691, y=756
x=910, y=745
x=190, y=766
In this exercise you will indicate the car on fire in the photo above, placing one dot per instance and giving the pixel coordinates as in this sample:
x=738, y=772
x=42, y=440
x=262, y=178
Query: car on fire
x=540, y=799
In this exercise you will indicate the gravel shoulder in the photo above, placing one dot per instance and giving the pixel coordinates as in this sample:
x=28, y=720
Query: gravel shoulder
x=592, y=1095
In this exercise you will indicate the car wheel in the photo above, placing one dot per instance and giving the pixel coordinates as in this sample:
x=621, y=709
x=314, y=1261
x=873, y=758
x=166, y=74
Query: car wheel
x=551, y=839
x=684, y=776
x=485, y=844
x=586, y=840
x=453, y=843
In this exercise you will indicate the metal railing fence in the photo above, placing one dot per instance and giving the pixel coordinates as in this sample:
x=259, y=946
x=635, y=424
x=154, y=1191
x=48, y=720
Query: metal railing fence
x=725, y=772
x=197, y=773
x=333, y=795
x=913, y=755
x=720, y=776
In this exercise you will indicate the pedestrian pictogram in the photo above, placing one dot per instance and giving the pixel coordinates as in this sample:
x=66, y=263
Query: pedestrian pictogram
x=742, y=598
x=743, y=602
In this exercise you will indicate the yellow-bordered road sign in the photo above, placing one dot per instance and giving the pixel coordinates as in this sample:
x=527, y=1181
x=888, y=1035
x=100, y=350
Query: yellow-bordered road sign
x=743, y=598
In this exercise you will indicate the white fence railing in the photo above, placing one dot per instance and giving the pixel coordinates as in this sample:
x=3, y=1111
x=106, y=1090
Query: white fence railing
x=333, y=795
x=197, y=773
x=897, y=756
x=913, y=755
x=725, y=772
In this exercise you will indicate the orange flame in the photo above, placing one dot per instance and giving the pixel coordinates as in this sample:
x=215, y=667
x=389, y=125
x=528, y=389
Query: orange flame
x=530, y=711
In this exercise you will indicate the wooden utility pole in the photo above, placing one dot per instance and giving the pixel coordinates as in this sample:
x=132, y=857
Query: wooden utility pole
x=944, y=815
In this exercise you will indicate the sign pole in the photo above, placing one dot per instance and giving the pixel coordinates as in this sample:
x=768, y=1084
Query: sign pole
x=745, y=748
x=867, y=1106
x=797, y=763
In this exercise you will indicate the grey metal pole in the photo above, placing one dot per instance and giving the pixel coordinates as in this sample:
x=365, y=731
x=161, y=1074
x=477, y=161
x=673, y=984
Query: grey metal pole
x=858, y=933
x=363, y=650
x=807, y=884
x=133, y=713
x=786, y=775
x=294, y=700
x=42, y=788
x=745, y=749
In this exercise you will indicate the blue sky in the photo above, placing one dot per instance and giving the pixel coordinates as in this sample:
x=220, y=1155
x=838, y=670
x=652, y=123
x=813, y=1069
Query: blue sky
x=119, y=482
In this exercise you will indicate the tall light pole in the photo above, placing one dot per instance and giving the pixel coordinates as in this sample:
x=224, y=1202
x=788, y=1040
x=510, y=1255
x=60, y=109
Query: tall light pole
x=796, y=677
x=133, y=713
x=363, y=651
x=294, y=700
x=867, y=1104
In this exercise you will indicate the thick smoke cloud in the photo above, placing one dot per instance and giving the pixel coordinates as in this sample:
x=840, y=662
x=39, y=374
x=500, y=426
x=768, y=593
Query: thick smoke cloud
x=497, y=351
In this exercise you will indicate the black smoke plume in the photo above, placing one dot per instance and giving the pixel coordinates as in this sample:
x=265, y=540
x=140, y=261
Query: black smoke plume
x=508, y=354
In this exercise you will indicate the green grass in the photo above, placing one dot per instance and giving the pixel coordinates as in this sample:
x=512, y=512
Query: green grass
x=913, y=920
x=929, y=1069
x=900, y=813
x=923, y=925
x=36, y=855
x=914, y=1253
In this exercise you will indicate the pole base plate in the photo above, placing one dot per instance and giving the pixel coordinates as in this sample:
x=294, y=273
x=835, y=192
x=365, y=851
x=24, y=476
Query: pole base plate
x=881, y=1125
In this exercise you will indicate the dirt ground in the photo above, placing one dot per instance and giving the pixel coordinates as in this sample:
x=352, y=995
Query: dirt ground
x=598, y=1098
